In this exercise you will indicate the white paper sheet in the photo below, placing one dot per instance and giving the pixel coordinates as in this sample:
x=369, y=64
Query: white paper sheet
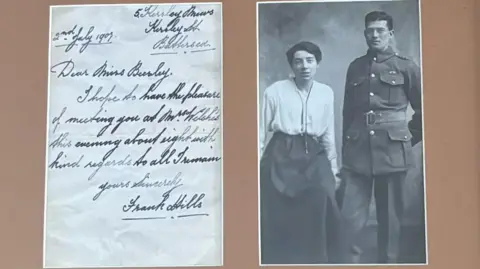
x=134, y=136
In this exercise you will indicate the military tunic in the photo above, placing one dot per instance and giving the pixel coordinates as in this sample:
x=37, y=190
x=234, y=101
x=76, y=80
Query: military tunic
x=377, y=146
x=377, y=139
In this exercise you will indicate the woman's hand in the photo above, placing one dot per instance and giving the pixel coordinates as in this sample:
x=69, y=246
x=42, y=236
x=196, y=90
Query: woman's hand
x=338, y=181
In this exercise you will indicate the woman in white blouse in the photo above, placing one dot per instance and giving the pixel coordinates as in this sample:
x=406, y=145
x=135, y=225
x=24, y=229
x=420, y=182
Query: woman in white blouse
x=298, y=165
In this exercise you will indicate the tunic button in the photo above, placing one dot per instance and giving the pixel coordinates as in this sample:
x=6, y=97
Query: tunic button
x=373, y=75
x=374, y=58
x=372, y=132
x=393, y=82
x=371, y=94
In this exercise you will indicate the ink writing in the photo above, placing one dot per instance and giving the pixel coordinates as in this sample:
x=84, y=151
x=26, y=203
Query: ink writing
x=129, y=113
x=134, y=135
x=145, y=183
x=169, y=202
x=82, y=37
x=152, y=11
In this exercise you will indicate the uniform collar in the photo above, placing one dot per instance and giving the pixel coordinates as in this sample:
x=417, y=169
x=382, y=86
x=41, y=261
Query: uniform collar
x=380, y=56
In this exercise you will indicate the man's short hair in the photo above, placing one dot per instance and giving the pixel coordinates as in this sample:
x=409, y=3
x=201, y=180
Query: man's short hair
x=379, y=16
x=305, y=46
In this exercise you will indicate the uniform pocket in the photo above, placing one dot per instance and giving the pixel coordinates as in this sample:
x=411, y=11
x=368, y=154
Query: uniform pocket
x=356, y=82
x=351, y=138
x=394, y=82
x=400, y=148
x=352, y=135
x=356, y=85
x=355, y=151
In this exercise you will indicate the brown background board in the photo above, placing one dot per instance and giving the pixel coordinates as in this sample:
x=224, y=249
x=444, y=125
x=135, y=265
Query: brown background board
x=451, y=126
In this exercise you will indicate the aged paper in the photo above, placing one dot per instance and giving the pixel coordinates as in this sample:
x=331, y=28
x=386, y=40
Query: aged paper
x=134, y=136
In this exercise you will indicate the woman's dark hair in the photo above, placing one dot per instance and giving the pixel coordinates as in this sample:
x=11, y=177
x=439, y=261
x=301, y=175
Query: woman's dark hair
x=305, y=46
x=379, y=16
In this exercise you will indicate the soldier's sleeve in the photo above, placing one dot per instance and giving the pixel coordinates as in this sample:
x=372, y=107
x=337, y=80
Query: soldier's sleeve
x=414, y=93
x=347, y=105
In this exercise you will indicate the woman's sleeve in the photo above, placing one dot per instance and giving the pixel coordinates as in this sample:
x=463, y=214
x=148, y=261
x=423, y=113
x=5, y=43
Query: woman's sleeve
x=329, y=136
x=266, y=116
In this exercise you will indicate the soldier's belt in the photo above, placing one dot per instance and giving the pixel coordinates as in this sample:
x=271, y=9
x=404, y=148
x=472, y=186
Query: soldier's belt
x=372, y=117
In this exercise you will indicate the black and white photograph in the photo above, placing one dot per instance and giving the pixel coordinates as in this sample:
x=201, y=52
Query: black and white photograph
x=340, y=133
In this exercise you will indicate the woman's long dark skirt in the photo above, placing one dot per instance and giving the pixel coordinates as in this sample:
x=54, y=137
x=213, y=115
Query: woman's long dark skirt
x=296, y=190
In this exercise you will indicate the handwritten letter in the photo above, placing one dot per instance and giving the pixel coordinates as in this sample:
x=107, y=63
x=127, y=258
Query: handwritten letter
x=134, y=136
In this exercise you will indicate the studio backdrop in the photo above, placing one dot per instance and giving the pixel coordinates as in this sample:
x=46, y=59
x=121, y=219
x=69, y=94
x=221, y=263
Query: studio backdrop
x=337, y=28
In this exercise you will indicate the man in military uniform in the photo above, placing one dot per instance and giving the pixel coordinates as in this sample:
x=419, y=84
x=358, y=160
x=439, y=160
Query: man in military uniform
x=378, y=137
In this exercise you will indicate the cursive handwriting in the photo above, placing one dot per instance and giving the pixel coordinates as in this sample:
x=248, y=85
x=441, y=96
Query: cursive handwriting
x=187, y=135
x=146, y=182
x=191, y=12
x=124, y=119
x=105, y=162
x=194, y=114
x=152, y=11
x=193, y=93
x=172, y=26
x=61, y=141
x=171, y=155
x=181, y=202
x=136, y=71
x=67, y=69
x=60, y=163
x=96, y=118
x=180, y=41
x=99, y=143
x=82, y=37
x=107, y=98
